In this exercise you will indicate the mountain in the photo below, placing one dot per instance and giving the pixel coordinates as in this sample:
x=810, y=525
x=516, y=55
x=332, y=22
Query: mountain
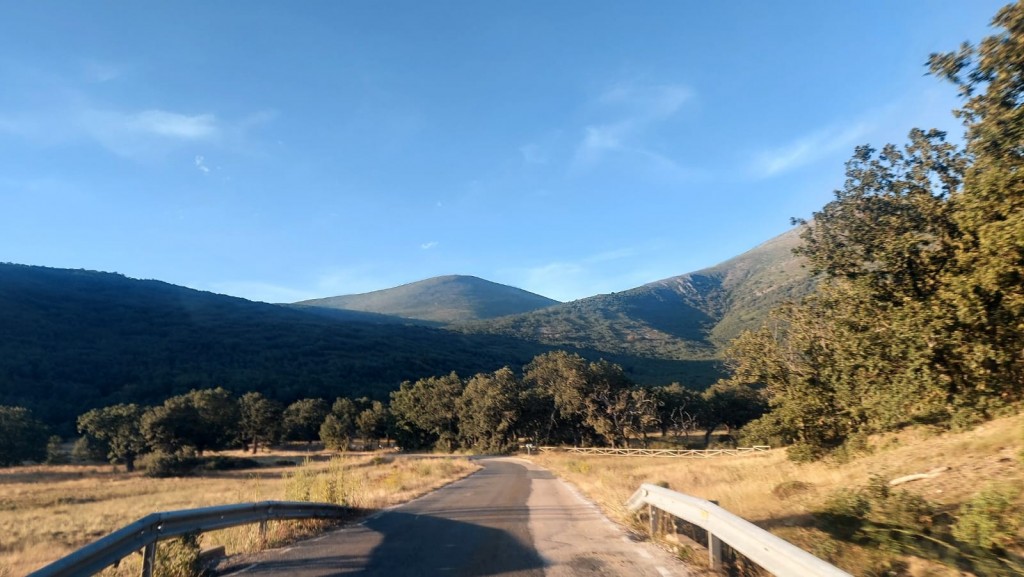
x=71, y=340
x=687, y=317
x=443, y=299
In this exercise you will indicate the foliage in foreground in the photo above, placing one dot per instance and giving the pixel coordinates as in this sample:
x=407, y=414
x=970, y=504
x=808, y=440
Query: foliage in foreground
x=975, y=537
x=919, y=314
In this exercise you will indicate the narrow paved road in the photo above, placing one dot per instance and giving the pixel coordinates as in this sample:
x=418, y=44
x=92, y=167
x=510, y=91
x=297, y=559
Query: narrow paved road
x=511, y=518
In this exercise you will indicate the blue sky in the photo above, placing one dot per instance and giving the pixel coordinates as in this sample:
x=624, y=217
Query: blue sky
x=280, y=151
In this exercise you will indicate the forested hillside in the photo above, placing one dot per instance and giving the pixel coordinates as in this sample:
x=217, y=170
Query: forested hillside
x=73, y=339
x=691, y=316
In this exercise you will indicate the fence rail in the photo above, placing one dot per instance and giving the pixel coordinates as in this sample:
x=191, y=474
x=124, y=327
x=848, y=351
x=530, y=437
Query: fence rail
x=147, y=531
x=684, y=453
x=776, y=555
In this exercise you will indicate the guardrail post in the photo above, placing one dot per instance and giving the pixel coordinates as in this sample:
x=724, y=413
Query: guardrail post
x=148, y=559
x=714, y=551
x=654, y=515
x=714, y=548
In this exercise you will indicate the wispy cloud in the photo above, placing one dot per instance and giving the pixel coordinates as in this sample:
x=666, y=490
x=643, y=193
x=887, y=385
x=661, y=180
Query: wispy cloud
x=172, y=124
x=628, y=112
x=429, y=245
x=129, y=134
x=200, y=163
x=807, y=149
x=145, y=133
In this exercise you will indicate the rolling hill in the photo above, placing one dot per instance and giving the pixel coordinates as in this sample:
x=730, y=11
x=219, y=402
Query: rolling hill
x=443, y=299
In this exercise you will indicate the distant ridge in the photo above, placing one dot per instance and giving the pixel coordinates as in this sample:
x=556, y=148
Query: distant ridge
x=686, y=317
x=443, y=299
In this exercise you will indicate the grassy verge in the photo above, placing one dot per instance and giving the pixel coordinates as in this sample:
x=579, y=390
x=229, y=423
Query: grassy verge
x=789, y=499
x=47, y=512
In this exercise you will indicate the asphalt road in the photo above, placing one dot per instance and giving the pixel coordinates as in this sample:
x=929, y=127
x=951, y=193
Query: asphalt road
x=511, y=518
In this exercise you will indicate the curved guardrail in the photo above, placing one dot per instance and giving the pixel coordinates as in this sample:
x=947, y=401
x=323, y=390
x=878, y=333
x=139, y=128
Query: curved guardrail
x=147, y=531
x=776, y=555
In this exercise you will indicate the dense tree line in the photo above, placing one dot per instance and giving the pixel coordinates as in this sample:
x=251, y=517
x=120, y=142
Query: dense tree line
x=919, y=313
x=558, y=398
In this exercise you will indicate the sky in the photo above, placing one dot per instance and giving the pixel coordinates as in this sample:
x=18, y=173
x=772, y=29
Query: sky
x=282, y=151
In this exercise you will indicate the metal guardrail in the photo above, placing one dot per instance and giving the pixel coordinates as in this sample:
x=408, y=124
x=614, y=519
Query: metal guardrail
x=147, y=531
x=685, y=453
x=776, y=555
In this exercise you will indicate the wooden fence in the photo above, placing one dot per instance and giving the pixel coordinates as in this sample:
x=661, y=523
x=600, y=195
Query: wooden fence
x=679, y=453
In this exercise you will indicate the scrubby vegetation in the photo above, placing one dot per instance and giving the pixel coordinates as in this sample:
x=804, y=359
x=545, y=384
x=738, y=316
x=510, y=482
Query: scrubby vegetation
x=919, y=313
x=966, y=517
x=49, y=511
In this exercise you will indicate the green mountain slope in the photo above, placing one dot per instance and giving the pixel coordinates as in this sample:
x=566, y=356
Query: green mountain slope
x=691, y=316
x=73, y=339
x=443, y=299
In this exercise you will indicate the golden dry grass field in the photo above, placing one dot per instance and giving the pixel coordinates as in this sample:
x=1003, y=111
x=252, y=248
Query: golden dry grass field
x=47, y=512
x=781, y=496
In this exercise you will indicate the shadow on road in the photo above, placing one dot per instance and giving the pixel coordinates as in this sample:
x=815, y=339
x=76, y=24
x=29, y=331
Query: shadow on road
x=410, y=544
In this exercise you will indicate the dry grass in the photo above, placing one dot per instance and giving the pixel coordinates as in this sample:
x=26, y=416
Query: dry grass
x=780, y=495
x=47, y=512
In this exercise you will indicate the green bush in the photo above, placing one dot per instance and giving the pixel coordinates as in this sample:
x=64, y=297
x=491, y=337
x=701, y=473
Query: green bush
x=805, y=453
x=844, y=513
x=179, y=557
x=161, y=464
x=989, y=520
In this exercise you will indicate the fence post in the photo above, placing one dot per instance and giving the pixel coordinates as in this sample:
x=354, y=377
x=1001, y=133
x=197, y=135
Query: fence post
x=148, y=559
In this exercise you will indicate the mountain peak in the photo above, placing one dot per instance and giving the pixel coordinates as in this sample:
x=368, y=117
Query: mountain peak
x=443, y=299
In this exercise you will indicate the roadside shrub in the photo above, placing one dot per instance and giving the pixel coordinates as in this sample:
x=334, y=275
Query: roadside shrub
x=804, y=453
x=844, y=513
x=875, y=513
x=581, y=467
x=763, y=431
x=161, y=464
x=989, y=520
x=179, y=557
x=328, y=486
